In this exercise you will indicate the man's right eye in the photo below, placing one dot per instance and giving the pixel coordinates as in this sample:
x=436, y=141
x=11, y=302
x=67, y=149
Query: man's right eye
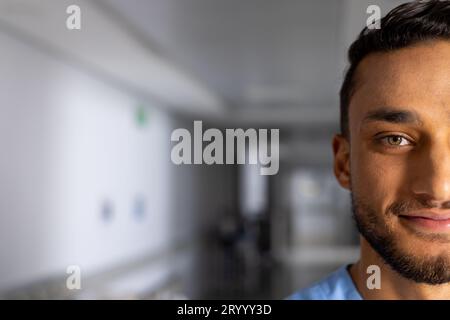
x=395, y=141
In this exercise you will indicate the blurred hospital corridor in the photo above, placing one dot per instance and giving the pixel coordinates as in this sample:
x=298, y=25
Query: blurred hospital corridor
x=88, y=186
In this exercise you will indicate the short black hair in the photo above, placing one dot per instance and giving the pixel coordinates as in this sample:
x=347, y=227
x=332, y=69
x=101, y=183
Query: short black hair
x=406, y=25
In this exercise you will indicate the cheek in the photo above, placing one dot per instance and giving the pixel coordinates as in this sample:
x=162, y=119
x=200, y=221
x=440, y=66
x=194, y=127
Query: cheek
x=376, y=177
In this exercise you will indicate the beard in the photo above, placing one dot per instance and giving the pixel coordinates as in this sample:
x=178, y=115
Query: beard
x=433, y=270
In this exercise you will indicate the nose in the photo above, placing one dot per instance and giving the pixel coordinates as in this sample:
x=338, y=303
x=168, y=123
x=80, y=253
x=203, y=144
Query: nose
x=431, y=175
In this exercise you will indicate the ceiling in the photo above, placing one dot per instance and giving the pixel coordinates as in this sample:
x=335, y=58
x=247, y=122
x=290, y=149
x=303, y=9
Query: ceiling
x=108, y=48
x=266, y=63
x=280, y=55
x=249, y=62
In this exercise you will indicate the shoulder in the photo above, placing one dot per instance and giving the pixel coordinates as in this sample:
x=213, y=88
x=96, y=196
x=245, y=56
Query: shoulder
x=336, y=286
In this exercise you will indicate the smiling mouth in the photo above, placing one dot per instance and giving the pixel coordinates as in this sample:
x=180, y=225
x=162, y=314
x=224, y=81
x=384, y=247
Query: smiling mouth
x=428, y=221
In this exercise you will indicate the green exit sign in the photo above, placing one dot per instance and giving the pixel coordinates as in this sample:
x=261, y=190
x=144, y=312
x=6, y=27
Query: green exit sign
x=141, y=116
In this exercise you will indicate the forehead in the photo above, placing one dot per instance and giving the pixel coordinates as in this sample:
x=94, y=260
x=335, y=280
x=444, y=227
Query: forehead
x=416, y=78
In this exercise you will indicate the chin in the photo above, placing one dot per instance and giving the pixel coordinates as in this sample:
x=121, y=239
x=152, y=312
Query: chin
x=418, y=245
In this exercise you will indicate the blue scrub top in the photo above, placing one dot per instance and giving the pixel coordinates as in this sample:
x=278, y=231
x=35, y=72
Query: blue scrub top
x=336, y=286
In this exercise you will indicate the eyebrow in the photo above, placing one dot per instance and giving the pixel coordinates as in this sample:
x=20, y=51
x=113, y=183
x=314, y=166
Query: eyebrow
x=393, y=115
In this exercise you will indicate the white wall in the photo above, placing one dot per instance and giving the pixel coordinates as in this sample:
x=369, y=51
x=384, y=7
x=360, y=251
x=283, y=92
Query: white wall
x=68, y=143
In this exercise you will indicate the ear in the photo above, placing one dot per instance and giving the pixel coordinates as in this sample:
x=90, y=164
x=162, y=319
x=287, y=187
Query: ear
x=341, y=151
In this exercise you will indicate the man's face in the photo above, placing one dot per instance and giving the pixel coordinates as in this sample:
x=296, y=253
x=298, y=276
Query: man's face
x=397, y=160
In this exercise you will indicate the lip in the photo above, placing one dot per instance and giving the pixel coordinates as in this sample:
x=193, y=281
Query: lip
x=428, y=221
